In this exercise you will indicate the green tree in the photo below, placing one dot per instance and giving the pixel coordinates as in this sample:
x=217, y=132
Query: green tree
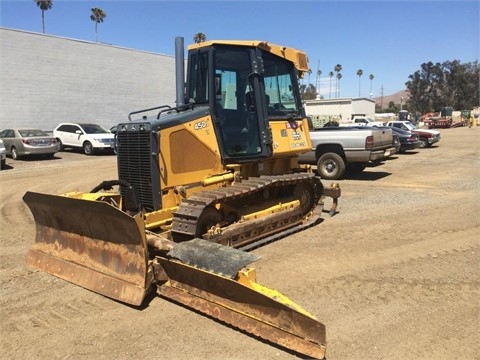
x=44, y=5
x=392, y=108
x=308, y=92
x=97, y=16
x=199, y=37
x=437, y=85
x=359, y=74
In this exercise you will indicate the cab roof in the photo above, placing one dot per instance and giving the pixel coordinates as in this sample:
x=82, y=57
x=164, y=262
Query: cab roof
x=298, y=57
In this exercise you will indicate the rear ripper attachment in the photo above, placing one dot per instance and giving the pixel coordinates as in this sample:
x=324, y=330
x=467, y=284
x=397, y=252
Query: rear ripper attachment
x=92, y=243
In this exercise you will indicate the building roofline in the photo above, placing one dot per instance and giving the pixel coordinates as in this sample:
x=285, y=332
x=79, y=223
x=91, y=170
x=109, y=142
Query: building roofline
x=83, y=41
x=345, y=100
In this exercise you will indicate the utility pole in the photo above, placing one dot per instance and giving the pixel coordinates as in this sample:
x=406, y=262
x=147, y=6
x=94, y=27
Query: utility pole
x=381, y=98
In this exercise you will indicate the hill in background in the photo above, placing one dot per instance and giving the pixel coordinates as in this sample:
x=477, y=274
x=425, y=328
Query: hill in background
x=396, y=98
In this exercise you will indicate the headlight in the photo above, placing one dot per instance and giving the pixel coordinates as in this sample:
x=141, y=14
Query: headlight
x=103, y=141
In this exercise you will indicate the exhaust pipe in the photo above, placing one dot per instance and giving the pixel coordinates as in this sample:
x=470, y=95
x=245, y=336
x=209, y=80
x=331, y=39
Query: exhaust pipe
x=179, y=71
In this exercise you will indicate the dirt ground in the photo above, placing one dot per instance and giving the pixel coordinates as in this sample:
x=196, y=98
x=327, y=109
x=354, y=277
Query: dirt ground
x=394, y=275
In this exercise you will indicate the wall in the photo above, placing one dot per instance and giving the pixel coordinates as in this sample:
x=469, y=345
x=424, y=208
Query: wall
x=45, y=80
x=343, y=108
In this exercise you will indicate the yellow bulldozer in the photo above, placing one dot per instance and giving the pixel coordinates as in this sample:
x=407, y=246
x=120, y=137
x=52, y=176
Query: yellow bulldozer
x=199, y=184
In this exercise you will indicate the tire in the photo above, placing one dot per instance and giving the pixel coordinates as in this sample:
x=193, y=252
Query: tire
x=49, y=156
x=356, y=168
x=331, y=166
x=424, y=143
x=60, y=144
x=2, y=164
x=14, y=152
x=88, y=148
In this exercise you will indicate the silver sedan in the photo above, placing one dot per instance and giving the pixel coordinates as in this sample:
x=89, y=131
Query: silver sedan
x=23, y=142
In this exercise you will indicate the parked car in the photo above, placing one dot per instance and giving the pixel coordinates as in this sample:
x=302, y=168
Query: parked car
x=408, y=140
x=3, y=155
x=87, y=136
x=427, y=137
x=24, y=142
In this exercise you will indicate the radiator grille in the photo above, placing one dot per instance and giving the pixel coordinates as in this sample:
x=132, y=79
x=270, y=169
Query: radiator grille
x=136, y=166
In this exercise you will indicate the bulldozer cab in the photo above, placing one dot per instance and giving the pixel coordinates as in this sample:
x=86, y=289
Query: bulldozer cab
x=244, y=85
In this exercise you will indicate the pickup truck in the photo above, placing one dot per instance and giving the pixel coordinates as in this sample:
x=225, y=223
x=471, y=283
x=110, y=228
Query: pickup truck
x=363, y=121
x=336, y=150
x=427, y=137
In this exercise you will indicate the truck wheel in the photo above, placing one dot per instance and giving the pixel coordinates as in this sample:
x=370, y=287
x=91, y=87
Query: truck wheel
x=88, y=148
x=424, y=143
x=331, y=166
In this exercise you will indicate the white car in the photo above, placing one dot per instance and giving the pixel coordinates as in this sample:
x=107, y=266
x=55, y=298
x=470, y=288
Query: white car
x=3, y=154
x=87, y=136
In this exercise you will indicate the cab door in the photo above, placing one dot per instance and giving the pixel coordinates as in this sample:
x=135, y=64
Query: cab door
x=228, y=79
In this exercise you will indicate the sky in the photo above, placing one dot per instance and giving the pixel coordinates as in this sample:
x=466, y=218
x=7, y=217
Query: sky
x=389, y=39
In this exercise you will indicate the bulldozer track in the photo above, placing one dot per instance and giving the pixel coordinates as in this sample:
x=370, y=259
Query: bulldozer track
x=187, y=218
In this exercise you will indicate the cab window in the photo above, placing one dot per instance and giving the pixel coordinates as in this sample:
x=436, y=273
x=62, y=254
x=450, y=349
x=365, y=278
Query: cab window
x=279, y=80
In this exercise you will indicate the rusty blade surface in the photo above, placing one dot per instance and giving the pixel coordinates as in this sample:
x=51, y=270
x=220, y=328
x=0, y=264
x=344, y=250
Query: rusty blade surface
x=243, y=307
x=91, y=244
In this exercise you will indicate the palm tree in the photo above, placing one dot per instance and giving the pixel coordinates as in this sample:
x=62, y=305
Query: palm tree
x=44, y=5
x=97, y=16
x=199, y=37
x=337, y=69
x=359, y=74
x=339, y=76
x=371, y=83
x=330, y=75
x=319, y=74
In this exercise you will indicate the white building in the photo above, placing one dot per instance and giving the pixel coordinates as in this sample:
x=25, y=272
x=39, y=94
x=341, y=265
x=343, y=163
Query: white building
x=45, y=80
x=340, y=110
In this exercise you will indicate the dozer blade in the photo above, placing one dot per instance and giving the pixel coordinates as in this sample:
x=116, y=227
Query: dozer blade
x=90, y=243
x=238, y=300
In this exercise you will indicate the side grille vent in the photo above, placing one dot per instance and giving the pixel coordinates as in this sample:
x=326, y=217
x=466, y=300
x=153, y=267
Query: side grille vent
x=137, y=166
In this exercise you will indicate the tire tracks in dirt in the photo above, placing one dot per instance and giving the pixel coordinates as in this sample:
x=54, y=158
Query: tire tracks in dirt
x=437, y=244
